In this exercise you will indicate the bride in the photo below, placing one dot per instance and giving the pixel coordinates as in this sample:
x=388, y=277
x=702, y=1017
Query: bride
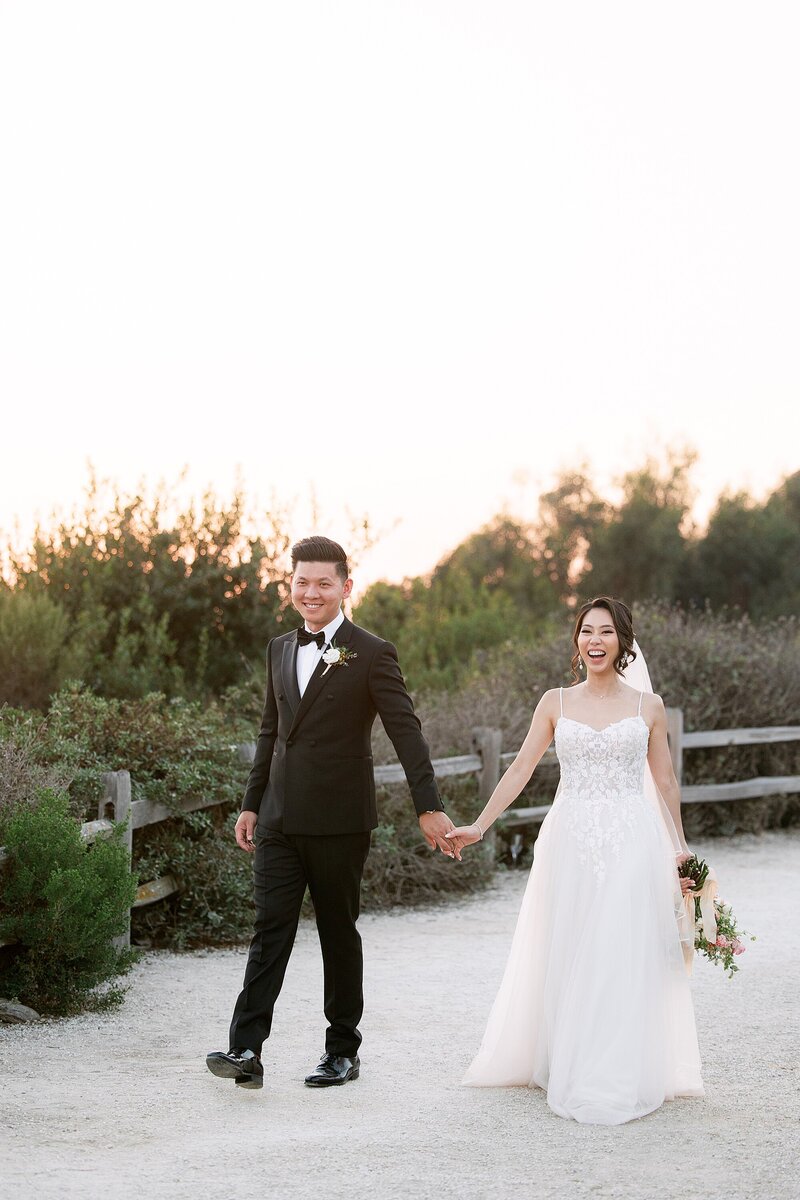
x=594, y=1006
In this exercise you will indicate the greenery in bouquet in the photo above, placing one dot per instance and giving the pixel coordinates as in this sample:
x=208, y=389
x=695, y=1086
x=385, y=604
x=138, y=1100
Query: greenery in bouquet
x=729, y=941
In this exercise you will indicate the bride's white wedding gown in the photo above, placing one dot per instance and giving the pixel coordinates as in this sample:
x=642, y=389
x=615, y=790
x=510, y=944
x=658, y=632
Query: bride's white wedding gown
x=595, y=1006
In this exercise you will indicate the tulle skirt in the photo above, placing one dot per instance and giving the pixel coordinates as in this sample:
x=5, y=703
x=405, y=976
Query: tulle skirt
x=595, y=1006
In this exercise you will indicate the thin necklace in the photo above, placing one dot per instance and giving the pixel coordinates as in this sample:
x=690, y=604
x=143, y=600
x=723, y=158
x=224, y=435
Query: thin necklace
x=603, y=695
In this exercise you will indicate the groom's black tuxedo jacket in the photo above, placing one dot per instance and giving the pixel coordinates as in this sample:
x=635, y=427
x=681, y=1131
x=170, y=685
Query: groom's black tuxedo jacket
x=312, y=772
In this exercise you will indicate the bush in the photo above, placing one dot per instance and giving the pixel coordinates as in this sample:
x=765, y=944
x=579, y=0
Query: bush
x=722, y=669
x=33, y=632
x=214, y=901
x=402, y=870
x=727, y=672
x=174, y=749
x=23, y=776
x=63, y=902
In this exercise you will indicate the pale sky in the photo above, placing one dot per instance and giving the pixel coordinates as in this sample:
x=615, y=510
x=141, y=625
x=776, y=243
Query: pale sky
x=402, y=257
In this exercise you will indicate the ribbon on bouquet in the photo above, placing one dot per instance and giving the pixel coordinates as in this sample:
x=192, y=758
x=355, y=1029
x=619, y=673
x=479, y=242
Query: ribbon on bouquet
x=706, y=895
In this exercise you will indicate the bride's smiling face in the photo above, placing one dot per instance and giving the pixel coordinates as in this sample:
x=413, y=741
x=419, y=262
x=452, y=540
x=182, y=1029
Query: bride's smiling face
x=598, y=642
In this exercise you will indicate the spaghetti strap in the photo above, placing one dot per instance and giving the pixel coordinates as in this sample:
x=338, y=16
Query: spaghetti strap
x=561, y=698
x=639, y=709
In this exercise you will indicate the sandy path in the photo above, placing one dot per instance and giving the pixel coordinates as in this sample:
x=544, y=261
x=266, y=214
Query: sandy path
x=123, y=1104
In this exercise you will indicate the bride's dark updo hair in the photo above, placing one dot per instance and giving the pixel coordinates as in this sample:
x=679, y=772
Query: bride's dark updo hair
x=622, y=621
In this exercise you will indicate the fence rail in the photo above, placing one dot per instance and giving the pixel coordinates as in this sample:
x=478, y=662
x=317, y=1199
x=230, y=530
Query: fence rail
x=487, y=761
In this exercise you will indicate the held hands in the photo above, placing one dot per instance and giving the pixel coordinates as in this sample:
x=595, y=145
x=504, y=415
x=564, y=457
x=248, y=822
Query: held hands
x=245, y=829
x=464, y=835
x=435, y=826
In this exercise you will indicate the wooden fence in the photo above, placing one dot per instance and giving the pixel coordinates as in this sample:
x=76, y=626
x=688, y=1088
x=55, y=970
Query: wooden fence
x=487, y=761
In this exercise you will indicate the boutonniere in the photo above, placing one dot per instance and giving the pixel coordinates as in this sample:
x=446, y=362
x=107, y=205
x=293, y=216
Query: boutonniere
x=337, y=656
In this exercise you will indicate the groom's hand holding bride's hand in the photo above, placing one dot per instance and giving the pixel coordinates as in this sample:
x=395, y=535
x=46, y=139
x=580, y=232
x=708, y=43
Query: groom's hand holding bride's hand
x=464, y=835
x=434, y=826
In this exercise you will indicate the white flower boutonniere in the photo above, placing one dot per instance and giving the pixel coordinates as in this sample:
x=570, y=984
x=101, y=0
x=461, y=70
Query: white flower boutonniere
x=337, y=656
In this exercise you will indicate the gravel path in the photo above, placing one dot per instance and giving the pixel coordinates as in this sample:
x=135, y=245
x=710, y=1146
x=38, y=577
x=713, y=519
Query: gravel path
x=123, y=1104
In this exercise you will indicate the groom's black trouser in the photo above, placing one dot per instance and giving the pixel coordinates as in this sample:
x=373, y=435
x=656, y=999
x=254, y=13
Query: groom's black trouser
x=332, y=867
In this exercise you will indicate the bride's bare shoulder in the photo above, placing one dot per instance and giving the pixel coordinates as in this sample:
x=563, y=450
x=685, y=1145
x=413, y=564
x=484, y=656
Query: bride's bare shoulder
x=550, y=703
x=652, y=707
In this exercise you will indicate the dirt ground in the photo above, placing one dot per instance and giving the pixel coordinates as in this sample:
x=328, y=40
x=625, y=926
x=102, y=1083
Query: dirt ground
x=122, y=1104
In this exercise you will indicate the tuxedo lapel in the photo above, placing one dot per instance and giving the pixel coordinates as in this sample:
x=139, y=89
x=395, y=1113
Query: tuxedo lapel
x=314, y=686
x=289, y=673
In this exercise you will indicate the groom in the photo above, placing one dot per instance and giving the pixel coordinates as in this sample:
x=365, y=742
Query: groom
x=309, y=807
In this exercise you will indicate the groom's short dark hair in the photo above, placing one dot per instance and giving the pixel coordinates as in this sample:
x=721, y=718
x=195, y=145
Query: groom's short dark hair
x=321, y=549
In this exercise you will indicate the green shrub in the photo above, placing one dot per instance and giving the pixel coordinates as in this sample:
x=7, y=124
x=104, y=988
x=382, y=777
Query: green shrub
x=728, y=672
x=33, y=633
x=174, y=749
x=63, y=902
x=403, y=870
x=23, y=773
x=214, y=901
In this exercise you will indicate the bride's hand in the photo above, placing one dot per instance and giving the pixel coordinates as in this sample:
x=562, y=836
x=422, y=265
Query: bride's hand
x=463, y=835
x=686, y=882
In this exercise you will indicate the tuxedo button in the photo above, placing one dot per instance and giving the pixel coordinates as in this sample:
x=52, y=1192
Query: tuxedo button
x=281, y=696
x=313, y=742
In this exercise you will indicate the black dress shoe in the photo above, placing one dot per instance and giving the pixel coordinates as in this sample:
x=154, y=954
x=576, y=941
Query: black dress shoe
x=243, y=1066
x=333, y=1070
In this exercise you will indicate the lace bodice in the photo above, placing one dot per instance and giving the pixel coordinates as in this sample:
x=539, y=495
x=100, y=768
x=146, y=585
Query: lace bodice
x=602, y=786
x=607, y=761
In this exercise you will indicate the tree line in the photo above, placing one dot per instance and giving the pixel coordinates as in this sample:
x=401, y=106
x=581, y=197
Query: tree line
x=130, y=598
x=512, y=580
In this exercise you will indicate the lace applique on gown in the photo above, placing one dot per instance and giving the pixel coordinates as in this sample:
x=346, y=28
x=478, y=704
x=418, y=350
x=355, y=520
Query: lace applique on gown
x=595, y=1006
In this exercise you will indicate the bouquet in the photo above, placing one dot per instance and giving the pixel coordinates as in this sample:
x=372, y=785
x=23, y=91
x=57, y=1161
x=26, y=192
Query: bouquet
x=717, y=935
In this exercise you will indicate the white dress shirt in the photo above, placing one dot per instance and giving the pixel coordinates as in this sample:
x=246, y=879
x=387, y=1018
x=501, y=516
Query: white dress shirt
x=308, y=656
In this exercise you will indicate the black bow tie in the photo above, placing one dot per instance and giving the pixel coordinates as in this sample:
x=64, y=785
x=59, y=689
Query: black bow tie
x=304, y=638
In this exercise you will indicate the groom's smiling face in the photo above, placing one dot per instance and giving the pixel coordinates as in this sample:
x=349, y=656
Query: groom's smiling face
x=317, y=592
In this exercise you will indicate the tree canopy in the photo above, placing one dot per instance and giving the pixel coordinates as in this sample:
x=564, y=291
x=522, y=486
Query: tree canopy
x=512, y=579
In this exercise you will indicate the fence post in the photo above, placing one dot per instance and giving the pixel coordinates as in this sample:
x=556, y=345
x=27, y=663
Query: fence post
x=488, y=744
x=675, y=739
x=115, y=805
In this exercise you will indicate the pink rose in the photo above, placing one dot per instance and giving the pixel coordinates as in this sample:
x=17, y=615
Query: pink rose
x=722, y=941
x=738, y=948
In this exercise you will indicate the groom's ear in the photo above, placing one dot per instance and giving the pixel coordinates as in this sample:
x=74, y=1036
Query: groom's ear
x=347, y=589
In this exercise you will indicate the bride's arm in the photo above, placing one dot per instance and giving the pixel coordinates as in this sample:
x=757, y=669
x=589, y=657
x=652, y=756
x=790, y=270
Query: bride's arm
x=660, y=762
x=538, y=738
